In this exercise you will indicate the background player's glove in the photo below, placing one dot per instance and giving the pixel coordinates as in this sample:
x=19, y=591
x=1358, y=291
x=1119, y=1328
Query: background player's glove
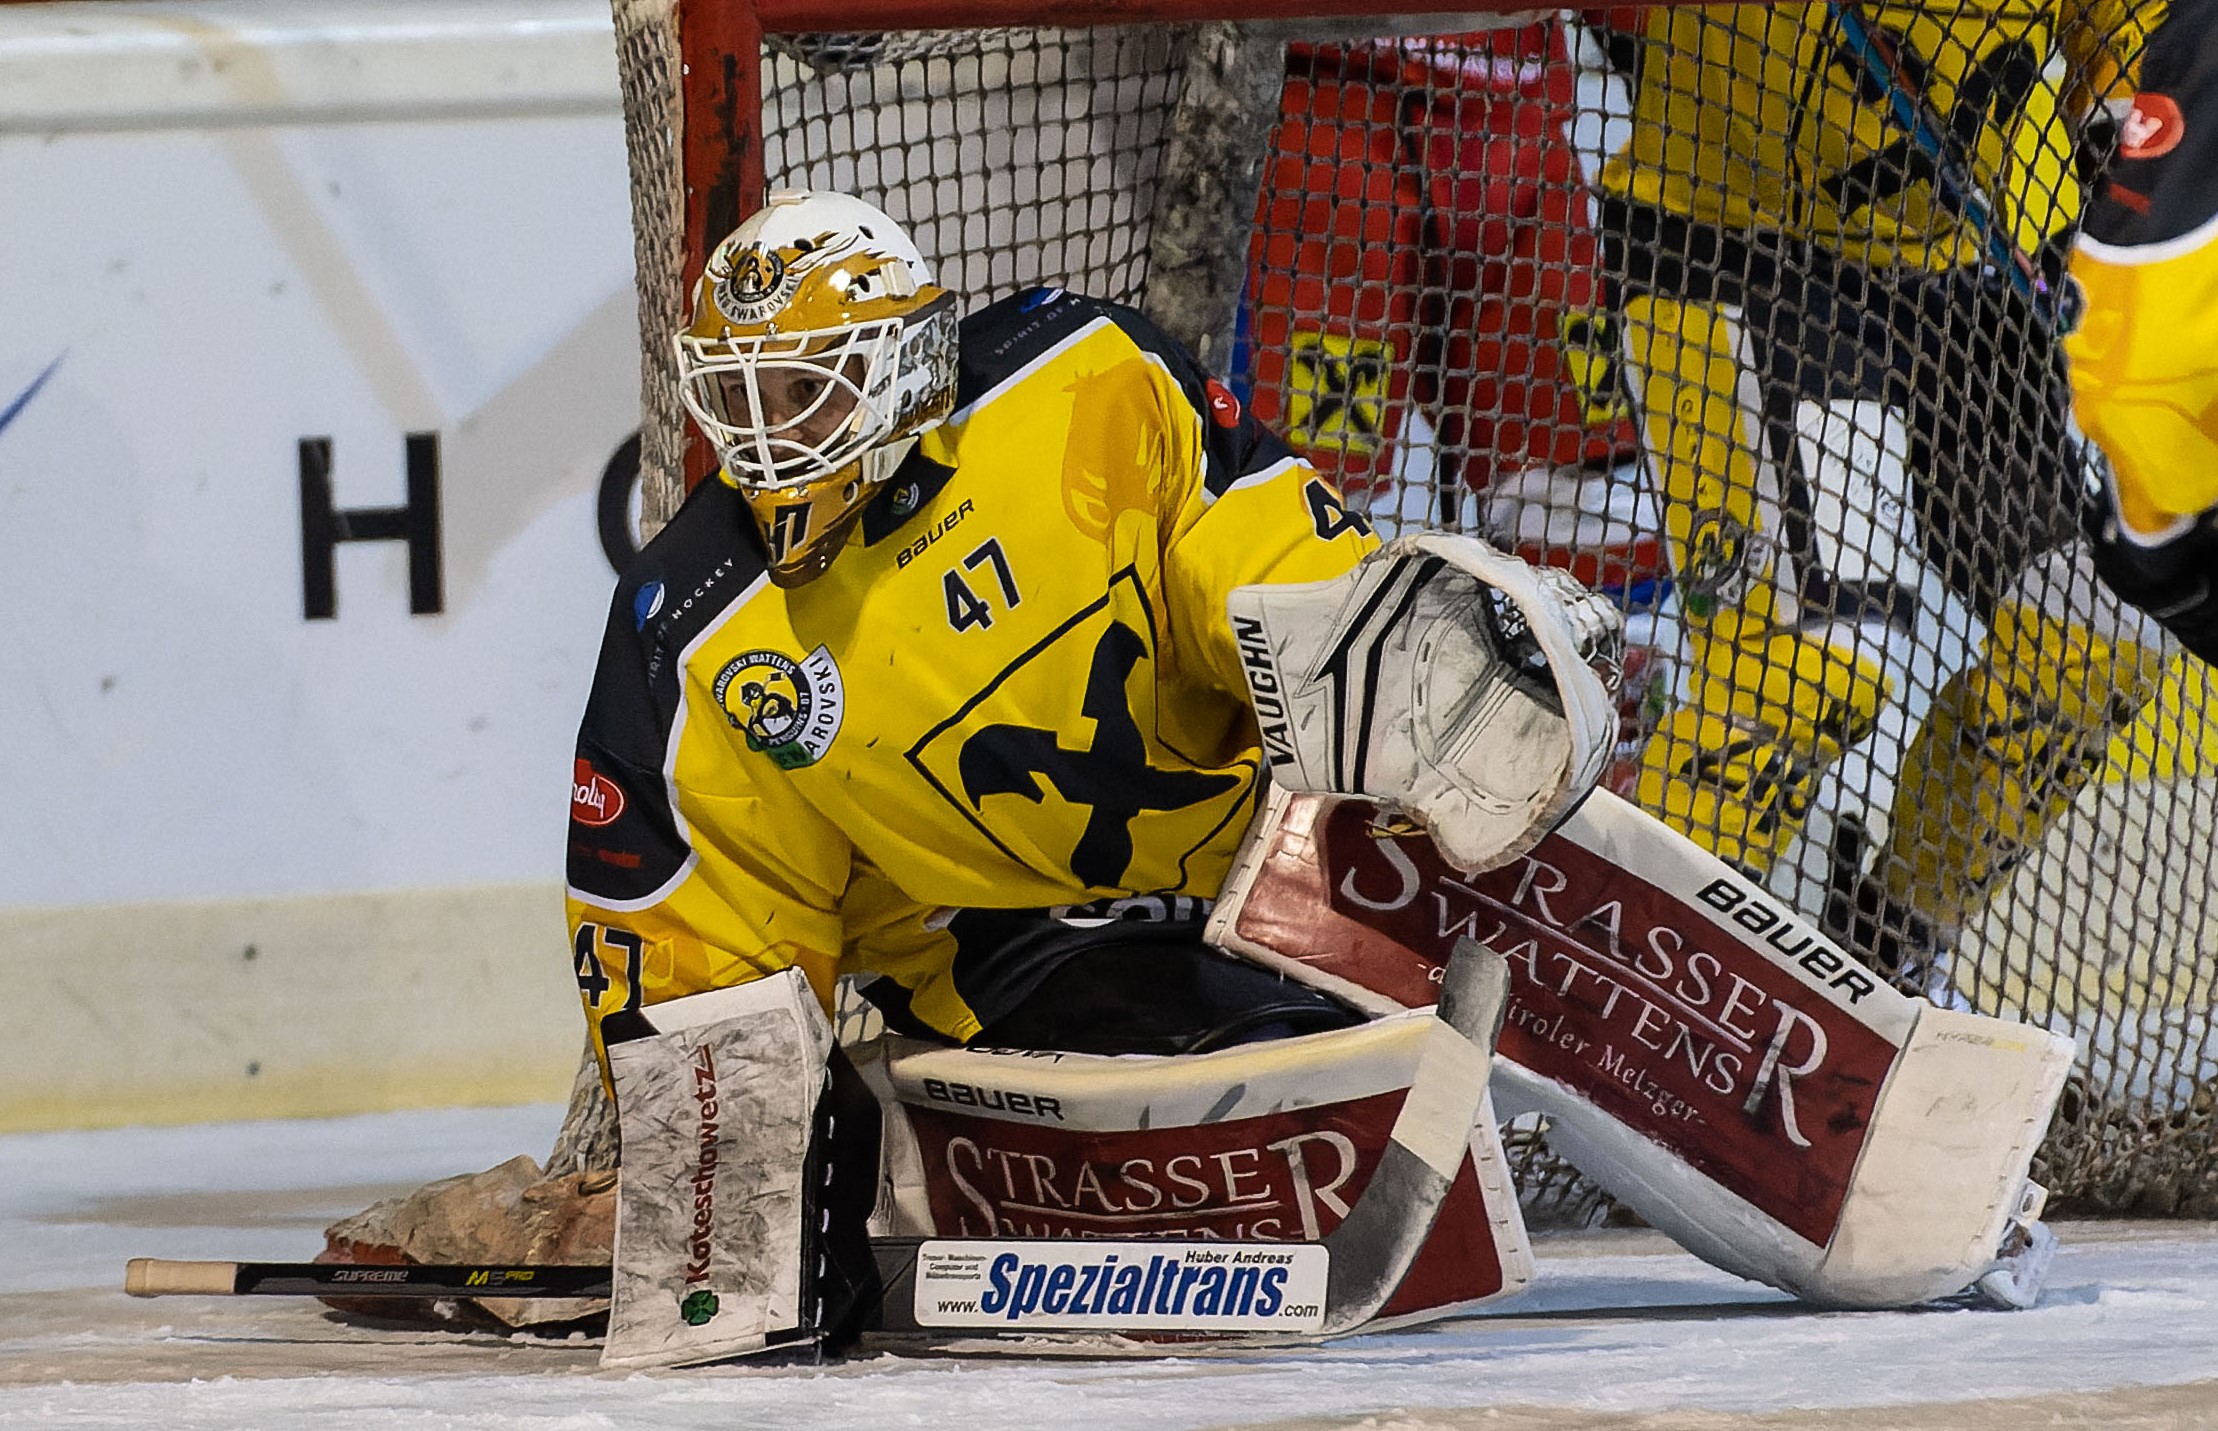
x=2174, y=580
x=1441, y=675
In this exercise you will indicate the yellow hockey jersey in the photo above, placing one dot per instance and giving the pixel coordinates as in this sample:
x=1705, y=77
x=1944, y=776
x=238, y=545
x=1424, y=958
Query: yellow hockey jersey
x=2145, y=361
x=1773, y=117
x=1016, y=686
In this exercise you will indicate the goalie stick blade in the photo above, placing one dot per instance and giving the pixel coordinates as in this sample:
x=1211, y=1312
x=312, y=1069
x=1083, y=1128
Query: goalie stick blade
x=1374, y=1246
x=896, y=1310
x=159, y=1277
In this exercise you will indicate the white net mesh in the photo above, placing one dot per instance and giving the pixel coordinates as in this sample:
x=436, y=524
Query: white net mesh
x=1014, y=157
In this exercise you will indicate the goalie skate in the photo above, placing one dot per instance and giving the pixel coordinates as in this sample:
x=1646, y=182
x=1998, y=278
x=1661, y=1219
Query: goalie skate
x=2021, y=1268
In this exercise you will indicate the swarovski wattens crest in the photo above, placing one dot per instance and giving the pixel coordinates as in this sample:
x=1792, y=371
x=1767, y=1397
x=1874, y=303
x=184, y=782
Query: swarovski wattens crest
x=789, y=710
x=754, y=284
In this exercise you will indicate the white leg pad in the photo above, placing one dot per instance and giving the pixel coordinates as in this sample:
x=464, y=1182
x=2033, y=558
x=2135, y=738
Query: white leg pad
x=1941, y=1178
x=1944, y=1165
x=1265, y=1142
x=1703, y=1053
x=716, y=1109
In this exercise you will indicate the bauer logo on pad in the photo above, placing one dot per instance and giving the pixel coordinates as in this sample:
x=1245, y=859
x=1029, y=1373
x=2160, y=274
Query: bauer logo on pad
x=1123, y=1286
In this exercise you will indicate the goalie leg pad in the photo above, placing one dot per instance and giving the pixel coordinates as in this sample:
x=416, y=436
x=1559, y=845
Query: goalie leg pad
x=717, y=1095
x=1472, y=691
x=1702, y=1052
x=1267, y=1142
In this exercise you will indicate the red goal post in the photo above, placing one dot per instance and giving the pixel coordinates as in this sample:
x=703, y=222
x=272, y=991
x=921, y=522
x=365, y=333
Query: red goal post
x=1747, y=313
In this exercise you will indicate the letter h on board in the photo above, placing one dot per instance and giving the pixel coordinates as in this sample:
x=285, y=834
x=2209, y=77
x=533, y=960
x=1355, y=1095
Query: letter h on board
x=323, y=525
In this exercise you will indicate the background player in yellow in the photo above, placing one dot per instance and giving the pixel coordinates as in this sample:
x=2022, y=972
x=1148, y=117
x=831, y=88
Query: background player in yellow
x=1837, y=235
x=2145, y=360
x=936, y=687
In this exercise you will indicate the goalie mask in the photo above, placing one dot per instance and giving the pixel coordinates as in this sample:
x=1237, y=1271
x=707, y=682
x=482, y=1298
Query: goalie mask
x=818, y=352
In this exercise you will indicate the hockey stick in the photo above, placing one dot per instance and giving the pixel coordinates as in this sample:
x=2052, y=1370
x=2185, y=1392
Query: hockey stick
x=1952, y=169
x=160, y=1277
x=1370, y=1251
x=1373, y=1247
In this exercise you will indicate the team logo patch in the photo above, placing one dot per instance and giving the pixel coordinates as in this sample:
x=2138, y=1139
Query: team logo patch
x=1722, y=554
x=594, y=798
x=755, y=284
x=789, y=528
x=789, y=710
x=2154, y=128
x=1590, y=348
x=645, y=604
x=1224, y=407
x=1336, y=393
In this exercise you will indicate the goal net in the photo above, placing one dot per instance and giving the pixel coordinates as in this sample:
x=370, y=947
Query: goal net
x=1749, y=315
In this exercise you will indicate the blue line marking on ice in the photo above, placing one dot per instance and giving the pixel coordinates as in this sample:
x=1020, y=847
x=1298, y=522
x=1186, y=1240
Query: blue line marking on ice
x=23, y=399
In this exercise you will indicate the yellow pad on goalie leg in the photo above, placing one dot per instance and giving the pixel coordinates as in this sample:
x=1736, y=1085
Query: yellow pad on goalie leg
x=1698, y=411
x=1769, y=709
x=1734, y=769
x=2175, y=737
x=2007, y=746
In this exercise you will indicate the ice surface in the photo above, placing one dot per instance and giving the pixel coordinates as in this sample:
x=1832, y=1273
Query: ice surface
x=75, y=1206
x=1617, y=1322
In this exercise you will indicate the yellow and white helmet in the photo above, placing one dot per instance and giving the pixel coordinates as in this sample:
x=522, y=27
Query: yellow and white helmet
x=819, y=350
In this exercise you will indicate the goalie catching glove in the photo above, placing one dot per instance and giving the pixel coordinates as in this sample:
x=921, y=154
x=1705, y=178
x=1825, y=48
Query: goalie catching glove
x=1471, y=690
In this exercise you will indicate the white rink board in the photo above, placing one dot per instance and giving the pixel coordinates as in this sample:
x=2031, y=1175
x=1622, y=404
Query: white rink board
x=254, y=242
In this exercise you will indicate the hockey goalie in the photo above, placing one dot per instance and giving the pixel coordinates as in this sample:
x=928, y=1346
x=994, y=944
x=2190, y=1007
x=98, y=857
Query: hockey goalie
x=1000, y=650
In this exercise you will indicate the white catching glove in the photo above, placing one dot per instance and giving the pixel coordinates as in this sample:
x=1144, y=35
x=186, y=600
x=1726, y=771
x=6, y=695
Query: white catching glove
x=1475, y=692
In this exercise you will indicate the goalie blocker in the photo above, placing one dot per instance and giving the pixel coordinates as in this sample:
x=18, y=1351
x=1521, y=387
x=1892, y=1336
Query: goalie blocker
x=1699, y=1050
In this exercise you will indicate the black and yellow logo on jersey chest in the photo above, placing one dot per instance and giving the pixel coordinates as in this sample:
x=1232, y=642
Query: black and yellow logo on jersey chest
x=1056, y=760
x=790, y=710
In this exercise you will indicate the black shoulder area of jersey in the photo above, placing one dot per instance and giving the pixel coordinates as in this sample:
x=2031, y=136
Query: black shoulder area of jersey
x=703, y=557
x=2164, y=184
x=1002, y=339
x=624, y=839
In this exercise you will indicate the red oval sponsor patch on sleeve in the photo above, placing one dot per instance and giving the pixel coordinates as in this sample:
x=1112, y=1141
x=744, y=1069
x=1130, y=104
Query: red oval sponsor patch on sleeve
x=2154, y=128
x=1223, y=406
x=594, y=798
